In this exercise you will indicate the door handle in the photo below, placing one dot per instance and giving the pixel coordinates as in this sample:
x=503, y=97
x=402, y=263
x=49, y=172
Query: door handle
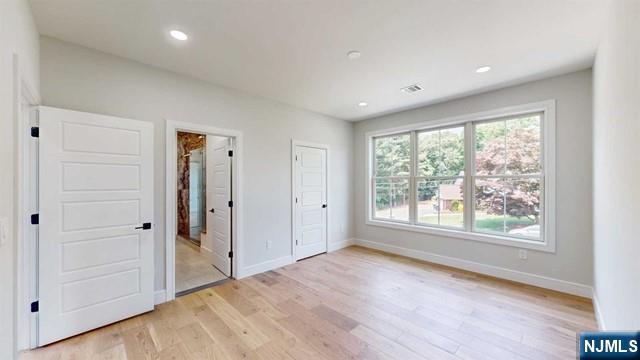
x=324, y=206
x=145, y=226
x=212, y=210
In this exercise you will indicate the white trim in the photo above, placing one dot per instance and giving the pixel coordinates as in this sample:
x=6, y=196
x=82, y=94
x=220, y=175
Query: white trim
x=495, y=271
x=325, y=147
x=25, y=204
x=172, y=127
x=598, y=311
x=548, y=244
x=337, y=245
x=159, y=297
x=463, y=235
x=265, y=266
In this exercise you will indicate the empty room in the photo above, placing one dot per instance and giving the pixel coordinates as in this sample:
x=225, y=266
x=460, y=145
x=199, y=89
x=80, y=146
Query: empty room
x=319, y=179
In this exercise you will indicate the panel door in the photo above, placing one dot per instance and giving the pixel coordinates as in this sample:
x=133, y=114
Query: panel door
x=311, y=201
x=96, y=191
x=218, y=197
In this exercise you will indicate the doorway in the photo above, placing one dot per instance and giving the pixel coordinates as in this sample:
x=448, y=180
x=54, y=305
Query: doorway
x=203, y=203
x=202, y=192
x=310, y=206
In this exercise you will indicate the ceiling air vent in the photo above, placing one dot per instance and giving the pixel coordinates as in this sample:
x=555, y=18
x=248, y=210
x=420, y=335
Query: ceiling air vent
x=412, y=89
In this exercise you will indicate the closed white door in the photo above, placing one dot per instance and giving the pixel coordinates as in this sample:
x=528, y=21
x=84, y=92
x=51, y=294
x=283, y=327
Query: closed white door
x=310, y=201
x=219, y=202
x=96, y=216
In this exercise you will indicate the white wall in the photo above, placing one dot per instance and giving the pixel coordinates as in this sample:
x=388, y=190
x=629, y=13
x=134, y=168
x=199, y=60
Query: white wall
x=616, y=169
x=82, y=79
x=18, y=36
x=572, y=261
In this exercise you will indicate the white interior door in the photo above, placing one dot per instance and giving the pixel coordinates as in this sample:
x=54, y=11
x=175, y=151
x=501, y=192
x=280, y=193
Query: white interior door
x=311, y=201
x=218, y=198
x=96, y=191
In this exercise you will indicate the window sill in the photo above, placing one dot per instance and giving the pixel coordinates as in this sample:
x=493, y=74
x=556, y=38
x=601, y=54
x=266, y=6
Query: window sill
x=464, y=235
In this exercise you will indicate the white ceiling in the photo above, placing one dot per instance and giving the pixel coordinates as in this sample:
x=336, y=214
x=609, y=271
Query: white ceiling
x=294, y=51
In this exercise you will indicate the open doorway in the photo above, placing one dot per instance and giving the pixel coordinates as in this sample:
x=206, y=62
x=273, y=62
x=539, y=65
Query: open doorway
x=203, y=210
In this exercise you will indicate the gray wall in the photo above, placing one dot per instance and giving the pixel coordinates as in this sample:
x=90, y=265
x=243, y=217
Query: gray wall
x=18, y=36
x=573, y=258
x=616, y=170
x=82, y=79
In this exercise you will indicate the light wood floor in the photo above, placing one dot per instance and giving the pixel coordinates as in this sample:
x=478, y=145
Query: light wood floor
x=351, y=304
x=193, y=266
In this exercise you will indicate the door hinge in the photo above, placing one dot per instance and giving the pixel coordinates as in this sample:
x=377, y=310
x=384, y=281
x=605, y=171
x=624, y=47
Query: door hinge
x=296, y=199
x=230, y=153
x=35, y=306
x=296, y=157
x=231, y=254
x=296, y=242
x=35, y=219
x=35, y=132
x=230, y=203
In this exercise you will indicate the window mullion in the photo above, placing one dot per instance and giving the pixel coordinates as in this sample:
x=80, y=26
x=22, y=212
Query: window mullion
x=413, y=172
x=469, y=156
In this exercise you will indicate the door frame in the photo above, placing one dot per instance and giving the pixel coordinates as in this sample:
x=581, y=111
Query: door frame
x=325, y=147
x=25, y=198
x=171, y=187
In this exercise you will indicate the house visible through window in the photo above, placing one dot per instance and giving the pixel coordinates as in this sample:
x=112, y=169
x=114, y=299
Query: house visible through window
x=481, y=177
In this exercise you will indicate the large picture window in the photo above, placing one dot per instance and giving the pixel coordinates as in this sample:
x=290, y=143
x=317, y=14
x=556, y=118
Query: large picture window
x=484, y=177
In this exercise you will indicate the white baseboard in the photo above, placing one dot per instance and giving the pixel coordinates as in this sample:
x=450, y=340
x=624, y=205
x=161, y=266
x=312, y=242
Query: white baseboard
x=499, y=272
x=337, y=245
x=159, y=297
x=598, y=310
x=264, y=266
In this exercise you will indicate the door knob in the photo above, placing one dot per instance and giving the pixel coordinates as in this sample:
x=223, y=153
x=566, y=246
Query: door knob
x=324, y=206
x=212, y=210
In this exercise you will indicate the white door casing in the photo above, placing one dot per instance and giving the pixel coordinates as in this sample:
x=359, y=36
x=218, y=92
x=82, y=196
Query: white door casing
x=310, y=191
x=218, y=198
x=96, y=266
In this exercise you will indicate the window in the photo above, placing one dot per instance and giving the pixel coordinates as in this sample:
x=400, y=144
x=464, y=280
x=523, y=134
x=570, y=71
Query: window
x=507, y=176
x=440, y=177
x=392, y=175
x=485, y=177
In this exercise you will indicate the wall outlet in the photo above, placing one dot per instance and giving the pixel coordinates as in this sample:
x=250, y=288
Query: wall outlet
x=4, y=231
x=522, y=254
x=269, y=244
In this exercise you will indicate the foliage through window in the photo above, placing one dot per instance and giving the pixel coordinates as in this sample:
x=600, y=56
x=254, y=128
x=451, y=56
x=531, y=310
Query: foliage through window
x=425, y=178
x=440, y=180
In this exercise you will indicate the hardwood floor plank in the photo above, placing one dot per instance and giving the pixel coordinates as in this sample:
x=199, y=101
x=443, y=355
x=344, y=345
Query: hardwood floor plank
x=355, y=303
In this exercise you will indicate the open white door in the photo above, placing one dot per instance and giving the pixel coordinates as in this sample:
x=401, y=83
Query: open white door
x=219, y=202
x=310, y=175
x=96, y=211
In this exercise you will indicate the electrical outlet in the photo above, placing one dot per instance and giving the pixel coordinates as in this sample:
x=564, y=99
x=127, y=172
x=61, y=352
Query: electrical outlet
x=4, y=230
x=522, y=254
x=269, y=244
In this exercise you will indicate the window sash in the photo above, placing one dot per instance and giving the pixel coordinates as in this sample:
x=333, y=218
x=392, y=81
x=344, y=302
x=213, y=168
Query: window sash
x=374, y=198
x=417, y=222
x=469, y=178
x=542, y=221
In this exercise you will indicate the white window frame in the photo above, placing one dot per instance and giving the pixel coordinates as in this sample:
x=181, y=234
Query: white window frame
x=548, y=185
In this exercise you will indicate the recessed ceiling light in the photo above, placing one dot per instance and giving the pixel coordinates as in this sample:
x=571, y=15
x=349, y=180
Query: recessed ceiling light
x=362, y=104
x=483, y=69
x=353, y=54
x=178, y=35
